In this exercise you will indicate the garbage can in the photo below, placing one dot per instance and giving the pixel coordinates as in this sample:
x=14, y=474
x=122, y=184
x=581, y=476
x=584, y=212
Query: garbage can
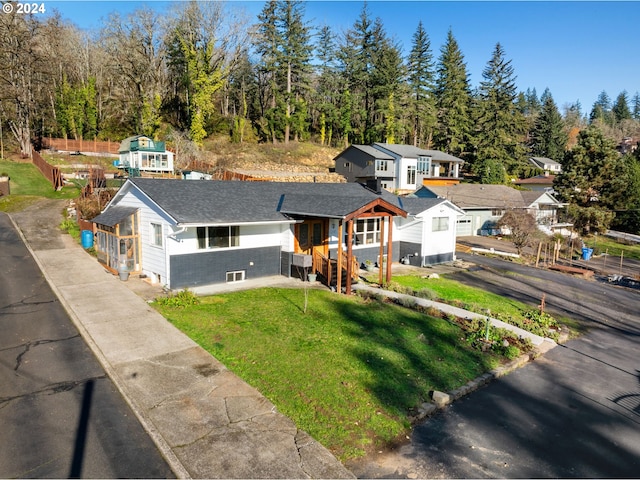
x=87, y=239
x=586, y=253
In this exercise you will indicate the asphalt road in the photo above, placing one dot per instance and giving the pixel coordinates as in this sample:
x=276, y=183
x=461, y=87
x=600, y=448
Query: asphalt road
x=573, y=413
x=60, y=415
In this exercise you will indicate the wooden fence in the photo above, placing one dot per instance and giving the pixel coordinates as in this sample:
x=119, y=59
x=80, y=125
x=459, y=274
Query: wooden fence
x=68, y=145
x=51, y=173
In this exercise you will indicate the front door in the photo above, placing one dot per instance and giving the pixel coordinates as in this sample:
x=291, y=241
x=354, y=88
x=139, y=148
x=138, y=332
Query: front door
x=311, y=235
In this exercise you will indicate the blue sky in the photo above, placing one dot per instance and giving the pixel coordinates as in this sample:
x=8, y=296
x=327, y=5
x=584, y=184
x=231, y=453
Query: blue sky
x=575, y=48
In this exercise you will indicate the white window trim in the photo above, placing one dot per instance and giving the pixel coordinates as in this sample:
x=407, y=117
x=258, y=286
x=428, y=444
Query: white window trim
x=153, y=237
x=243, y=276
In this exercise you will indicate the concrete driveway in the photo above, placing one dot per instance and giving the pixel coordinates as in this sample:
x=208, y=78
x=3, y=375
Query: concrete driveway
x=575, y=412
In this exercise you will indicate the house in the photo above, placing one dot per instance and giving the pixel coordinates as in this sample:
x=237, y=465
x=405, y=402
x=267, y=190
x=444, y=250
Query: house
x=182, y=233
x=400, y=168
x=484, y=205
x=542, y=183
x=143, y=154
x=546, y=164
x=428, y=233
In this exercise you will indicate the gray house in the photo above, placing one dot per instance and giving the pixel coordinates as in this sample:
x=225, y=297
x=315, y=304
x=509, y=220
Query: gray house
x=484, y=205
x=400, y=168
x=183, y=233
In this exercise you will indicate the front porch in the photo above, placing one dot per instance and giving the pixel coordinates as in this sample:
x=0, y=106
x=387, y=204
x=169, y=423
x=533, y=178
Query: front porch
x=331, y=243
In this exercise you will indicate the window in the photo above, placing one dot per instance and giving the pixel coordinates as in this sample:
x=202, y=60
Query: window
x=156, y=234
x=439, y=224
x=496, y=212
x=348, y=167
x=236, y=276
x=218, y=237
x=424, y=165
x=411, y=175
x=382, y=166
x=366, y=231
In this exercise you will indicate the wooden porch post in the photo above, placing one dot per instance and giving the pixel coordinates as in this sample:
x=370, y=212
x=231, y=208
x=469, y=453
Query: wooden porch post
x=389, y=249
x=349, y=256
x=382, y=219
x=339, y=261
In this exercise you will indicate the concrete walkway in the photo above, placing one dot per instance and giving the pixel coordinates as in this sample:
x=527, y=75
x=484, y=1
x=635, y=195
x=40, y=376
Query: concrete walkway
x=206, y=421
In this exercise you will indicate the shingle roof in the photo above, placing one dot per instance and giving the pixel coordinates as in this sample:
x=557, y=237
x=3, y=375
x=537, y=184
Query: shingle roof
x=405, y=151
x=470, y=195
x=211, y=202
x=374, y=152
x=414, y=205
x=114, y=215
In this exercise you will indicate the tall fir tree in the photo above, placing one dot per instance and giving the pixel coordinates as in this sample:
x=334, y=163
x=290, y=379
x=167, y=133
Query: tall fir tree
x=420, y=78
x=620, y=109
x=329, y=85
x=499, y=123
x=453, y=100
x=549, y=137
x=601, y=110
x=635, y=102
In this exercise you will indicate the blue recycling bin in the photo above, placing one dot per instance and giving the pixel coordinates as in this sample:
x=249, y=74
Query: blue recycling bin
x=586, y=253
x=87, y=239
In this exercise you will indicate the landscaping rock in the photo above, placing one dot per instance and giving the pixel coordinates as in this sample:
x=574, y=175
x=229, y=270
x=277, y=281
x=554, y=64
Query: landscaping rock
x=440, y=398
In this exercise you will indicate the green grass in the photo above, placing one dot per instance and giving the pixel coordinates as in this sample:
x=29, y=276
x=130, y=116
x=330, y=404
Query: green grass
x=347, y=372
x=28, y=185
x=602, y=244
x=480, y=301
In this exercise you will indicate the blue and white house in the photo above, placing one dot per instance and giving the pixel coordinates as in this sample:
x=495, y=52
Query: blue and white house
x=143, y=154
x=182, y=233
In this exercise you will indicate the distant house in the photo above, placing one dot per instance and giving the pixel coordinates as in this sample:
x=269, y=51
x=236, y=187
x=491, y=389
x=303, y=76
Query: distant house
x=183, y=233
x=400, y=168
x=484, y=205
x=546, y=164
x=538, y=183
x=143, y=154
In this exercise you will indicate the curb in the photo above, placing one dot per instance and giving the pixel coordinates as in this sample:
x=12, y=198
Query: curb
x=440, y=399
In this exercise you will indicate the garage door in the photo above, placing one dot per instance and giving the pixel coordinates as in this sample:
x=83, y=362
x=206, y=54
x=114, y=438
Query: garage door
x=464, y=226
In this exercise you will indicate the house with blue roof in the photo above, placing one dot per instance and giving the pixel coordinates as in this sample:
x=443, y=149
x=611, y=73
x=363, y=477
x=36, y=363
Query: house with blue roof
x=185, y=233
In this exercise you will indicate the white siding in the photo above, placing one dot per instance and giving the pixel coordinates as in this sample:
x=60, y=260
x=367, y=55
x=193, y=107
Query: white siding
x=153, y=258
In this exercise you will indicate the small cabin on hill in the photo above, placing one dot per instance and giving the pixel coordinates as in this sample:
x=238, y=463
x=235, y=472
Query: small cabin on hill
x=143, y=154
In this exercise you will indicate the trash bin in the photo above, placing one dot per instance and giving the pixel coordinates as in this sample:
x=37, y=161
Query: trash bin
x=586, y=253
x=87, y=239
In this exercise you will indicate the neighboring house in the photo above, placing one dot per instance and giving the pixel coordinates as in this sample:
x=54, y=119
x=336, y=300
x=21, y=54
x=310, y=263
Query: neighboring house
x=484, y=205
x=143, y=154
x=542, y=183
x=183, y=233
x=546, y=164
x=400, y=168
x=428, y=233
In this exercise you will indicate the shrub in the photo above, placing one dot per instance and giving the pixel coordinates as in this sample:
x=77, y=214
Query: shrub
x=184, y=298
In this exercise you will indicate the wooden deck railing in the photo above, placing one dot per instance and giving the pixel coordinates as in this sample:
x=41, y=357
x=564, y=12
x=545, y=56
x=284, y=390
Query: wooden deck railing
x=327, y=267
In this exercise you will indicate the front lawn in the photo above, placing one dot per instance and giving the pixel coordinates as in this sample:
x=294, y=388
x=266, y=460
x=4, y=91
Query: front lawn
x=28, y=185
x=347, y=372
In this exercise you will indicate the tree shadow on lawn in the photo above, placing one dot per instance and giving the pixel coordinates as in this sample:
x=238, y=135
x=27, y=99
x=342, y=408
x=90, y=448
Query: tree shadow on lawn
x=408, y=354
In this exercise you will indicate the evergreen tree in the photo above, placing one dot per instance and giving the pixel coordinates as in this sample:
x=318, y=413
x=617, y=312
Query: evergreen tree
x=328, y=88
x=295, y=61
x=601, y=111
x=593, y=180
x=420, y=78
x=387, y=75
x=635, y=102
x=453, y=99
x=499, y=124
x=620, y=108
x=549, y=138
x=356, y=64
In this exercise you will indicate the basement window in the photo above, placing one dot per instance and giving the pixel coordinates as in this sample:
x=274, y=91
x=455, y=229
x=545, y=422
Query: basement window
x=236, y=276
